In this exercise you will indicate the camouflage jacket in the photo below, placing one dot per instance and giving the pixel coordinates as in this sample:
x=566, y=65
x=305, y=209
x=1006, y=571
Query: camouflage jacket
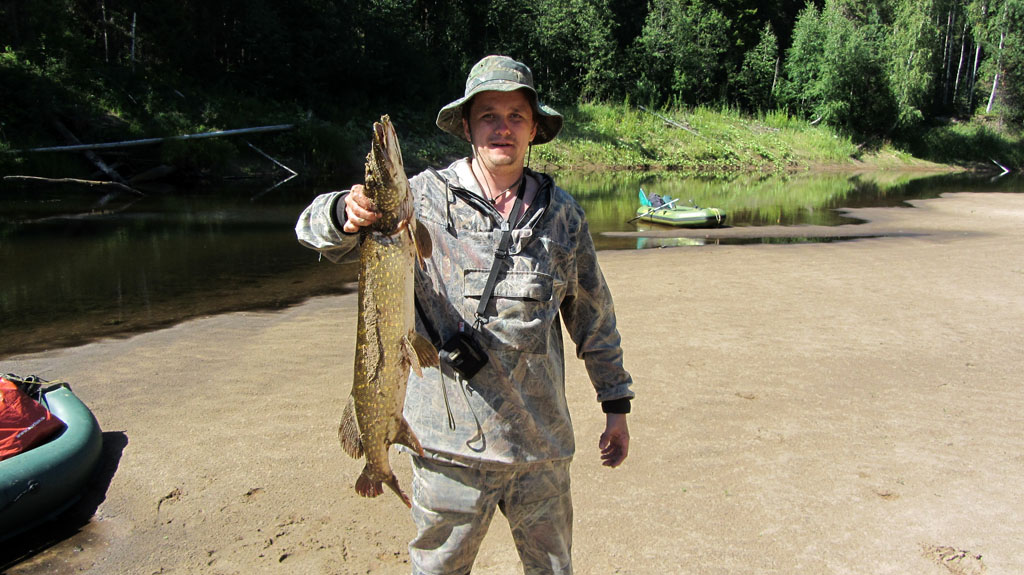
x=514, y=410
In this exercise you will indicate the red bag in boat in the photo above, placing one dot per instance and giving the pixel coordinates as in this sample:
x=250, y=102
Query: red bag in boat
x=24, y=422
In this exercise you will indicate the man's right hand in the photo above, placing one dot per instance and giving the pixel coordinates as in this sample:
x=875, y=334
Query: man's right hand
x=360, y=210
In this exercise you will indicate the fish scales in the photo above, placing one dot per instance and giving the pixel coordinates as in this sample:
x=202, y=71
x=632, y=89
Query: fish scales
x=387, y=345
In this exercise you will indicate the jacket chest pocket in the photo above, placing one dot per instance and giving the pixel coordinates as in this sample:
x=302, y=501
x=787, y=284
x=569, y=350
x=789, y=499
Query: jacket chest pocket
x=520, y=310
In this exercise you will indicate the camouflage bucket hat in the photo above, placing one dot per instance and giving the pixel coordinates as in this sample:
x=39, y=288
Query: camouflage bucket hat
x=501, y=74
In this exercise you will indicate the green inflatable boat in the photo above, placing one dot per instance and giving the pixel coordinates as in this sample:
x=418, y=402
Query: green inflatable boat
x=38, y=484
x=683, y=217
x=665, y=210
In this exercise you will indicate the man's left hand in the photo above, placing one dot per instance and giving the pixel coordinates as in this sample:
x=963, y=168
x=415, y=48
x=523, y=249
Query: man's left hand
x=614, y=442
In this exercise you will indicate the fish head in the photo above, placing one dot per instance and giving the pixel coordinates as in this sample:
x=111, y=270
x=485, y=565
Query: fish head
x=386, y=182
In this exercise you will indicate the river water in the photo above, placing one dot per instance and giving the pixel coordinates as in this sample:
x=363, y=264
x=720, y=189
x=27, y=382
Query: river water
x=78, y=265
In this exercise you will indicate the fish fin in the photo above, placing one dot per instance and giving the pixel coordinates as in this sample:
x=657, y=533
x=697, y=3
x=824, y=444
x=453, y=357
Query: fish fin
x=426, y=353
x=409, y=358
x=393, y=484
x=418, y=352
x=421, y=239
x=348, y=431
x=407, y=437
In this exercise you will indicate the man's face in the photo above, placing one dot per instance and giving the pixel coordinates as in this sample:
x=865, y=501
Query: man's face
x=501, y=127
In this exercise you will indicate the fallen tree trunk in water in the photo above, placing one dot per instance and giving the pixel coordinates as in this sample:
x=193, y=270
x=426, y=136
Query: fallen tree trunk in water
x=92, y=157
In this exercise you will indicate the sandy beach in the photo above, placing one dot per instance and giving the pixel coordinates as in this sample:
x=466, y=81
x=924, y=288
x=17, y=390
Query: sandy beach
x=851, y=407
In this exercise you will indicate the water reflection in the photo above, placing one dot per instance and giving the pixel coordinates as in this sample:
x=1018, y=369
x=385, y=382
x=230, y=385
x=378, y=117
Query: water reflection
x=644, y=243
x=80, y=265
x=77, y=267
x=758, y=200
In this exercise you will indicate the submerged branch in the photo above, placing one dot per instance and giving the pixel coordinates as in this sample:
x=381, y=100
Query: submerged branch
x=91, y=183
x=150, y=141
x=1004, y=168
x=269, y=157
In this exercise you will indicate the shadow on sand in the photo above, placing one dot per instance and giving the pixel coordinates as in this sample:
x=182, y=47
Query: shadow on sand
x=71, y=522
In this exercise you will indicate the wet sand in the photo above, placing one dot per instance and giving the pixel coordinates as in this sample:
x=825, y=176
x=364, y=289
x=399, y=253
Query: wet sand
x=846, y=407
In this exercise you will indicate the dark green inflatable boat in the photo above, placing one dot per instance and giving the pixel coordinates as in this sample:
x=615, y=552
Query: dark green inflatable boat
x=40, y=483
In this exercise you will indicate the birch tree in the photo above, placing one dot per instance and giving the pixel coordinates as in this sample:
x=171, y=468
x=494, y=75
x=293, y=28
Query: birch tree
x=997, y=32
x=684, y=48
x=574, y=46
x=911, y=45
x=757, y=77
x=805, y=61
x=835, y=73
x=1005, y=57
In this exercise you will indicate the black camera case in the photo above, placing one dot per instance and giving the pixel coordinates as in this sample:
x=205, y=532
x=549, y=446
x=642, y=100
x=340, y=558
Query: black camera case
x=463, y=354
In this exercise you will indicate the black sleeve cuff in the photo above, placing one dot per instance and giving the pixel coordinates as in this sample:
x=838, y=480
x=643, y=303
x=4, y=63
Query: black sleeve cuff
x=338, y=215
x=616, y=405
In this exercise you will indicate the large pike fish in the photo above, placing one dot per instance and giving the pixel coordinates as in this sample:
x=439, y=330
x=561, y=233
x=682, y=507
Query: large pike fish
x=387, y=345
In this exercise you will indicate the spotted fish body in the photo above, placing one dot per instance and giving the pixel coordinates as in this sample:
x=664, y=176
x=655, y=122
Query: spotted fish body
x=387, y=345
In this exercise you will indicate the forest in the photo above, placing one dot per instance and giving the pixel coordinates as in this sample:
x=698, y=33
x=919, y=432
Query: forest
x=873, y=70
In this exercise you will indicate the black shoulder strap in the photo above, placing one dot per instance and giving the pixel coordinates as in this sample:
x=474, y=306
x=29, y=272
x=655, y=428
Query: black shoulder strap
x=500, y=254
x=434, y=336
x=436, y=173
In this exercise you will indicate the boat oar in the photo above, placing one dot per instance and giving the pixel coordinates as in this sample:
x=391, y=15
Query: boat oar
x=664, y=206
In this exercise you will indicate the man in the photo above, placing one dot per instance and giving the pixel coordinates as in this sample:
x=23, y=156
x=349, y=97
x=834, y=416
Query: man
x=502, y=437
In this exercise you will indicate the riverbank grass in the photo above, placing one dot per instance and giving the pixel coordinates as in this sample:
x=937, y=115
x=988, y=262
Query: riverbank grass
x=700, y=141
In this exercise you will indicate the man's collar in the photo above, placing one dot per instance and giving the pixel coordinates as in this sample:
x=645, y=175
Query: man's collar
x=464, y=173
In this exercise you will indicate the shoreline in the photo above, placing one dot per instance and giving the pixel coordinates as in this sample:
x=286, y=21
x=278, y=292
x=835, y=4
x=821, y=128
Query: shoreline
x=305, y=280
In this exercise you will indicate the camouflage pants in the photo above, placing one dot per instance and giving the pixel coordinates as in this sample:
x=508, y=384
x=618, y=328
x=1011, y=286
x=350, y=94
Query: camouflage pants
x=452, y=507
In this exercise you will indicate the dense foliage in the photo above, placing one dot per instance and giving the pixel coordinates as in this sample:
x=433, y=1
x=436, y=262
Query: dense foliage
x=872, y=69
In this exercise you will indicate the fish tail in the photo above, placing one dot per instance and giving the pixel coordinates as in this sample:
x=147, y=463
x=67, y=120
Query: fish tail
x=368, y=487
